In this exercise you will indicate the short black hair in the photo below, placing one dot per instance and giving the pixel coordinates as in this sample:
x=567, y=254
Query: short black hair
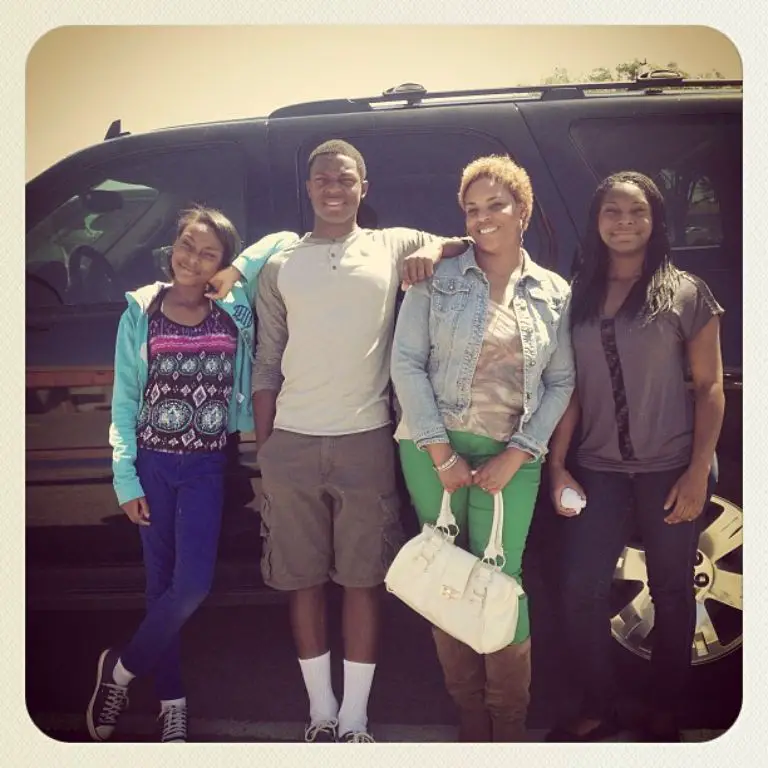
x=338, y=147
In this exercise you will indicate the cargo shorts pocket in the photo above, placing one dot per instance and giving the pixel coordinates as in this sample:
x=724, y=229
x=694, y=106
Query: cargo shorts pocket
x=393, y=535
x=261, y=456
x=266, y=541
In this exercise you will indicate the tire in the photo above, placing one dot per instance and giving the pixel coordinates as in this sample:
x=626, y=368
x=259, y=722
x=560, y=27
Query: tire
x=717, y=582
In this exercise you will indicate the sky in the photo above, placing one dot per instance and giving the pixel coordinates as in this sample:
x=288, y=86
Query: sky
x=81, y=78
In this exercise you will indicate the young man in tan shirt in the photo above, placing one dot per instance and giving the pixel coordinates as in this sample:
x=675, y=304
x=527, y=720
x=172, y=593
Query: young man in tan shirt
x=326, y=311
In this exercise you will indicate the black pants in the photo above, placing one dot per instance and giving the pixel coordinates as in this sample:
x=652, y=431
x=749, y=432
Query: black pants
x=617, y=503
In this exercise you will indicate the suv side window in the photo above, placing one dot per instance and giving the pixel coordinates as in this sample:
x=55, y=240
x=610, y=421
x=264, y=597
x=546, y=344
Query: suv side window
x=414, y=182
x=695, y=161
x=108, y=234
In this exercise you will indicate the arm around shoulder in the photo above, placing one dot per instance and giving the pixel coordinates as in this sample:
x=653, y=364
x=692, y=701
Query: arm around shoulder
x=253, y=258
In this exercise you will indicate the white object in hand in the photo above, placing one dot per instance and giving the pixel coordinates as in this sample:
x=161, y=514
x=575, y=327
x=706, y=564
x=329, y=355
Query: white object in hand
x=572, y=499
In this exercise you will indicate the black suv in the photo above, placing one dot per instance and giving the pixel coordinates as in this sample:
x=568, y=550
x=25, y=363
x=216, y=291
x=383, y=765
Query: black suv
x=98, y=220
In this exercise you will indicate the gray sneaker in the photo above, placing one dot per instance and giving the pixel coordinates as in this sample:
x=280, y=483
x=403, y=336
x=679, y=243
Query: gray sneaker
x=174, y=728
x=108, y=701
x=357, y=737
x=321, y=731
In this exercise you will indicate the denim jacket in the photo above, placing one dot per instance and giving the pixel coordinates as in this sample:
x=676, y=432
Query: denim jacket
x=438, y=339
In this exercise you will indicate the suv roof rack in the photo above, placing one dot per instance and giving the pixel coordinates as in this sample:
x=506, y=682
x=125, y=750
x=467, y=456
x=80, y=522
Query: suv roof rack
x=413, y=94
x=115, y=130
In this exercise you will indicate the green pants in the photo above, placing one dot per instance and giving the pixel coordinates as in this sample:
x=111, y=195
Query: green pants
x=473, y=507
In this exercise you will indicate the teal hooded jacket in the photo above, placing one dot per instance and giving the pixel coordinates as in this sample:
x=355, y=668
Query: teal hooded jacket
x=132, y=369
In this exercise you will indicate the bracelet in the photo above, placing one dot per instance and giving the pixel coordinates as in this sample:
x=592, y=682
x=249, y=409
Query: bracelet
x=448, y=463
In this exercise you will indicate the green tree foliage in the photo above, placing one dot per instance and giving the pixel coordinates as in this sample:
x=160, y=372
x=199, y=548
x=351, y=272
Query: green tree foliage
x=559, y=77
x=626, y=71
x=712, y=74
x=600, y=75
x=629, y=70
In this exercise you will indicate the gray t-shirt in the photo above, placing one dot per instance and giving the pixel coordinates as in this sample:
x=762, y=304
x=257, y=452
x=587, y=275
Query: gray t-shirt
x=636, y=410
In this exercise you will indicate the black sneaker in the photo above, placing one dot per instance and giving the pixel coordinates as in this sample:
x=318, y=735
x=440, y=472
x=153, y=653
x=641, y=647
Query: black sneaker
x=324, y=731
x=108, y=700
x=174, y=720
x=357, y=737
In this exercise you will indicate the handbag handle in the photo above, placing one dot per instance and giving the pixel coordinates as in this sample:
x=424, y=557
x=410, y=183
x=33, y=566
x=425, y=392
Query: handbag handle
x=446, y=520
x=494, y=551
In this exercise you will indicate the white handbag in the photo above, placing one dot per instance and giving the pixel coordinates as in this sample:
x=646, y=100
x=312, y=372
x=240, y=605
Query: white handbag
x=466, y=596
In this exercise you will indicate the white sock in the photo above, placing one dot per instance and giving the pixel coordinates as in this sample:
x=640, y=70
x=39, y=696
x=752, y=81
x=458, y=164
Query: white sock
x=166, y=703
x=358, y=678
x=121, y=675
x=317, y=680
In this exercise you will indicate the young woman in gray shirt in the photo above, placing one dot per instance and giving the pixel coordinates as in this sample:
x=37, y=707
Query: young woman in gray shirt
x=645, y=446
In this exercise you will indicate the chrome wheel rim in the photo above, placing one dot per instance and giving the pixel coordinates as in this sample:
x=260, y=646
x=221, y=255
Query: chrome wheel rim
x=717, y=581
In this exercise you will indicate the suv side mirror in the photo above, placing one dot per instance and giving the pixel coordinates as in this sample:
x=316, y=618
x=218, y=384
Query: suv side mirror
x=102, y=201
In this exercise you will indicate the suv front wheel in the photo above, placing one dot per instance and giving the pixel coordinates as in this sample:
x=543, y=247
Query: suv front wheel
x=717, y=580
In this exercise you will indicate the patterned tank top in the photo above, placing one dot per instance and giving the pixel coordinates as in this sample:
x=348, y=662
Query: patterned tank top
x=497, y=386
x=190, y=383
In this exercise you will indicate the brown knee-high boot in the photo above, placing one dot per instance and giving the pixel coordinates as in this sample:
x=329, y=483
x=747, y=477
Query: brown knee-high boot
x=464, y=673
x=508, y=680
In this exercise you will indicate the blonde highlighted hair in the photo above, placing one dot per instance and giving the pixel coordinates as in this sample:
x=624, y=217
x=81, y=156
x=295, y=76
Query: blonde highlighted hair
x=503, y=169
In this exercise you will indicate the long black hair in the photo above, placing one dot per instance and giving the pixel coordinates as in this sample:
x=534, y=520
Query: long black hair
x=652, y=294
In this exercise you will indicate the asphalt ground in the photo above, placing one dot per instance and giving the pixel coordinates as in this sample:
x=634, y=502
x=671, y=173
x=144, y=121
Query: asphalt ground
x=244, y=683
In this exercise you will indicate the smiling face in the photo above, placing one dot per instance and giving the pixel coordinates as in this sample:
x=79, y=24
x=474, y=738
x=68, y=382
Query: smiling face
x=197, y=255
x=625, y=222
x=335, y=190
x=492, y=215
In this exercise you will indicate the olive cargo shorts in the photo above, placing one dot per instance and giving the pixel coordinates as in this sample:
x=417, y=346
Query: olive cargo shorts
x=330, y=509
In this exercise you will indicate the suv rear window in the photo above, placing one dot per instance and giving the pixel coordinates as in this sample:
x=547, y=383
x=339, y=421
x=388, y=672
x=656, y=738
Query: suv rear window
x=695, y=161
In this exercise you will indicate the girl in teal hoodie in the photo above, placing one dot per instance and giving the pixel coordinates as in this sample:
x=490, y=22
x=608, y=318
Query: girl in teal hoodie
x=182, y=385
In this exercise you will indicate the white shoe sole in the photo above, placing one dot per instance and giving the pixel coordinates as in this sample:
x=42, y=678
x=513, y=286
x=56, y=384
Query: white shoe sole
x=89, y=712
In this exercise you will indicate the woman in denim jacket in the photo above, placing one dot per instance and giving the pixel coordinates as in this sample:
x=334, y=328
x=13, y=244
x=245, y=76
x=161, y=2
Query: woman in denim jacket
x=483, y=370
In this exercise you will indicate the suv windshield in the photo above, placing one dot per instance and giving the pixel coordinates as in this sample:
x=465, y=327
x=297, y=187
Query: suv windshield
x=87, y=225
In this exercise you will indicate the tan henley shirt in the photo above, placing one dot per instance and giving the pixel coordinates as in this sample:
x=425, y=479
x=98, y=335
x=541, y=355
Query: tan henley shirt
x=325, y=311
